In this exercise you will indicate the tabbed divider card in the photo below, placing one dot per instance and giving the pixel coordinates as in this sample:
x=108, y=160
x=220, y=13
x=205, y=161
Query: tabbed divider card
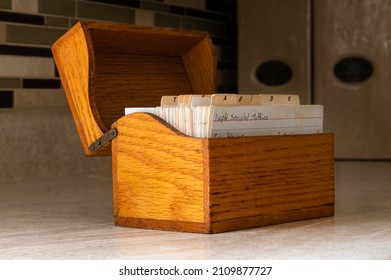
x=234, y=115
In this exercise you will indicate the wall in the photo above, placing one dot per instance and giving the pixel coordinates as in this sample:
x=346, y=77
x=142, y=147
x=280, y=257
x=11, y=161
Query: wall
x=37, y=134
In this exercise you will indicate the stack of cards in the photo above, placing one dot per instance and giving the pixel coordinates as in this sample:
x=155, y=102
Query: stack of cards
x=233, y=115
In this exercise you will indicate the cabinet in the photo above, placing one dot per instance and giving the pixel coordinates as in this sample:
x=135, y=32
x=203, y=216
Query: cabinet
x=338, y=53
x=351, y=75
x=274, y=47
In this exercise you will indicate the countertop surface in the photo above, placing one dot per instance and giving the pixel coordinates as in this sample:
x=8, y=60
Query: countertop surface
x=71, y=218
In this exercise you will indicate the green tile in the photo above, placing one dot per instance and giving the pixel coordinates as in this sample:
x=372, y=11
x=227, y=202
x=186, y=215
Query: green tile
x=32, y=35
x=105, y=12
x=167, y=21
x=57, y=21
x=10, y=83
x=57, y=7
x=203, y=25
x=6, y=4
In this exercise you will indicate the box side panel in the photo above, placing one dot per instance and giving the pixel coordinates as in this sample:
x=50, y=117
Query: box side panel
x=257, y=181
x=158, y=176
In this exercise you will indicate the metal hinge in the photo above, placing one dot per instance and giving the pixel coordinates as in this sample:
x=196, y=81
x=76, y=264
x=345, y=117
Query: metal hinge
x=103, y=140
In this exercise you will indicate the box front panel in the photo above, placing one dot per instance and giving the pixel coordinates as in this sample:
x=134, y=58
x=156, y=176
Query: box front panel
x=256, y=181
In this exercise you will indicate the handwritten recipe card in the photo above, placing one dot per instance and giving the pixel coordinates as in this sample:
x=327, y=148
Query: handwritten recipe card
x=232, y=115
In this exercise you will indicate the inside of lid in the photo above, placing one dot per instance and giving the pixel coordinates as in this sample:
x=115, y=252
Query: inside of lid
x=135, y=67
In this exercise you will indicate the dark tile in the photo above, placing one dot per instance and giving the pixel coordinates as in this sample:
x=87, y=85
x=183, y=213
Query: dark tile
x=224, y=6
x=152, y=6
x=126, y=3
x=41, y=83
x=25, y=51
x=227, y=89
x=206, y=15
x=232, y=19
x=177, y=10
x=21, y=18
x=231, y=30
x=224, y=41
x=226, y=65
x=6, y=99
x=229, y=53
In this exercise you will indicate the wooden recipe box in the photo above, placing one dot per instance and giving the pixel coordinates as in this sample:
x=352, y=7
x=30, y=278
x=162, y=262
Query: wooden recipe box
x=163, y=179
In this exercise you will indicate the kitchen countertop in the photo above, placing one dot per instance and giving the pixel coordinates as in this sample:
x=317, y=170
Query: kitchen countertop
x=71, y=218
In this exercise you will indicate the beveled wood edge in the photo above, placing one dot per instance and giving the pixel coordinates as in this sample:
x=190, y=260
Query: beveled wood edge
x=228, y=225
x=153, y=118
x=261, y=221
x=162, y=224
x=326, y=135
x=141, y=28
x=114, y=164
x=206, y=180
x=91, y=76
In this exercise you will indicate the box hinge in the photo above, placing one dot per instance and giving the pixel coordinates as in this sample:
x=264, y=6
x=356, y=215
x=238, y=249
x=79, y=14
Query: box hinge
x=103, y=140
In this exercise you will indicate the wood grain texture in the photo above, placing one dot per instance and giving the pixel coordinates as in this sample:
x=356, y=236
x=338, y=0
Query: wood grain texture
x=142, y=83
x=256, y=181
x=106, y=67
x=163, y=179
x=72, y=57
x=171, y=225
x=157, y=174
x=201, y=66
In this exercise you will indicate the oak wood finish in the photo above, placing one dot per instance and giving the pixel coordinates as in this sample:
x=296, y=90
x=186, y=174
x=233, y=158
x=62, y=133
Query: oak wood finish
x=72, y=54
x=163, y=179
x=256, y=181
x=157, y=176
x=106, y=67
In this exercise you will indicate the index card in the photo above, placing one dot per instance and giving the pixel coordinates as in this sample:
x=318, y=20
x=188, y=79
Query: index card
x=265, y=120
x=151, y=110
x=280, y=99
x=232, y=115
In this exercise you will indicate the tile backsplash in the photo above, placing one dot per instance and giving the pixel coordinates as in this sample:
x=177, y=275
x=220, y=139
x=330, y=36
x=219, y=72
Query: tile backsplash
x=28, y=28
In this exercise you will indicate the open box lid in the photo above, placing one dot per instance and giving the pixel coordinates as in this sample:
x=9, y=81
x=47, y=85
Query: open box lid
x=105, y=67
